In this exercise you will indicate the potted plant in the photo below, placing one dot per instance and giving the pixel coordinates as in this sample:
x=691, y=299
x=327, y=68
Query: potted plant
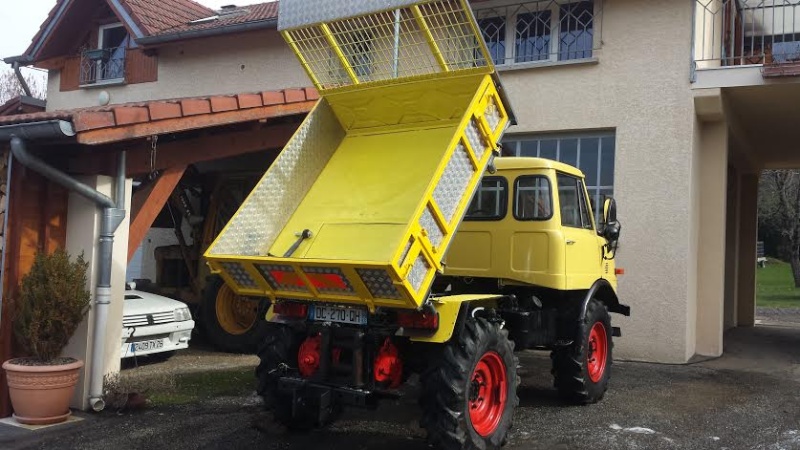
x=52, y=303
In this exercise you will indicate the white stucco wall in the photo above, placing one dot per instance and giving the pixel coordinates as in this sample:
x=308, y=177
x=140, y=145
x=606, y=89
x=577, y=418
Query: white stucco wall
x=640, y=88
x=83, y=228
x=252, y=62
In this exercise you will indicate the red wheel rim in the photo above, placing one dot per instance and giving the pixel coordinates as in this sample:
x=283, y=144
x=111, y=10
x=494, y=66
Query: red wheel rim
x=487, y=394
x=597, y=352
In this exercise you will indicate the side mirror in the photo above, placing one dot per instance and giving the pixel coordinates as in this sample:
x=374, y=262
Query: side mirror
x=609, y=210
x=612, y=228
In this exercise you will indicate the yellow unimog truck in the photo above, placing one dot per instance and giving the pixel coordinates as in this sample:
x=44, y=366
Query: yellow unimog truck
x=391, y=240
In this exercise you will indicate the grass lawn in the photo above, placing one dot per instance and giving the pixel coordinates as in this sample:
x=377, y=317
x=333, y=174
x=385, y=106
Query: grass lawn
x=775, y=286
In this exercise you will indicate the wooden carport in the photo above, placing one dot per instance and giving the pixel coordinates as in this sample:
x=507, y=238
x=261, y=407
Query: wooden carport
x=160, y=137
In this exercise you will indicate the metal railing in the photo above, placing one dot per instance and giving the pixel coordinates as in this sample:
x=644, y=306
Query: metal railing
x=746, y=32
x=102, y=65
x=540, y=31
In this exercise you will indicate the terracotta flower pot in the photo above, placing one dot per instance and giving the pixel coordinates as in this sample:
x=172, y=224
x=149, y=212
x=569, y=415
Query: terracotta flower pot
x=40, y=394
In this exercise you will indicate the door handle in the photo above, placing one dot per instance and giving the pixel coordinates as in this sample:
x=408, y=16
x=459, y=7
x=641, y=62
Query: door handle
x=570, y=242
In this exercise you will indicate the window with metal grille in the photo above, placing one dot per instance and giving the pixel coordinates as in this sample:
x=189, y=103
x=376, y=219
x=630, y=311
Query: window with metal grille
x=592, y=153
x=490, y=201
x=550, y=30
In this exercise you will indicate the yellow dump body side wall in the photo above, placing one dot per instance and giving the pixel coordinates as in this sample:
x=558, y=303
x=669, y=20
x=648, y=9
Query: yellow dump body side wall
x=384, y=208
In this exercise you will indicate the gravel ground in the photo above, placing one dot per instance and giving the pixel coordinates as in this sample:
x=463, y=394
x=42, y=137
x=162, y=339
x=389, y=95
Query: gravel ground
x=745, y=400
x=778, y=315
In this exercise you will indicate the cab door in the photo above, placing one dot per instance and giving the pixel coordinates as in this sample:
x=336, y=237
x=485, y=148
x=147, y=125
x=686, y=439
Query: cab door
x=583, y=257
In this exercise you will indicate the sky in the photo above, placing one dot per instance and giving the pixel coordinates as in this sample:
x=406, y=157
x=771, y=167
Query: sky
x=20, y=22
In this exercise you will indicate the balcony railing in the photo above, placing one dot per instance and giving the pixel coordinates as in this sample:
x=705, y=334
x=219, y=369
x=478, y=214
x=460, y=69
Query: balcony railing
x=102, y=66
x=746, y=32
x=540, y=31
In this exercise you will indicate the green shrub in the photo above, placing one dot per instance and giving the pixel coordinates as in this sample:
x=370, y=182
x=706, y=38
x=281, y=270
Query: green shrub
x=52, y=303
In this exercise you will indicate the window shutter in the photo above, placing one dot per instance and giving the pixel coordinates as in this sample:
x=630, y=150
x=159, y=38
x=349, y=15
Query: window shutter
x=140, y=68
x=70, y=74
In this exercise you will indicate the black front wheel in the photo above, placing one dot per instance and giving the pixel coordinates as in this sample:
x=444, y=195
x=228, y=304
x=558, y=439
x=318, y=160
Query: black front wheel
x=231, y=322
x=469, y=391
x=581, y=371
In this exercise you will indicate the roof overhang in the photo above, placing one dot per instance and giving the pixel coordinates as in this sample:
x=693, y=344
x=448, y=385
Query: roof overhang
x=149, y=41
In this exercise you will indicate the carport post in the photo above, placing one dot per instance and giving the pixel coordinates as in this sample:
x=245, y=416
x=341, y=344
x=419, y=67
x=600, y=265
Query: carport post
x=113, y=215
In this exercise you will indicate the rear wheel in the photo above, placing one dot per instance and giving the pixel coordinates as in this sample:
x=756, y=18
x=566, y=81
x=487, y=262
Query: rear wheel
x=278, y=353
x=231, y=322
x=469, y=391
x=581, y=371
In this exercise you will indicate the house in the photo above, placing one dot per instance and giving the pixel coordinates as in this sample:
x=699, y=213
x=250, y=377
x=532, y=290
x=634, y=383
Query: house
x=22, y=104
x=671, y=107
x=162, y=85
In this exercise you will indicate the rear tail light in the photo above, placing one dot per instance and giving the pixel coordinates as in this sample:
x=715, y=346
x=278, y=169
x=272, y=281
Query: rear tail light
x=418, y=320
x=291, y=309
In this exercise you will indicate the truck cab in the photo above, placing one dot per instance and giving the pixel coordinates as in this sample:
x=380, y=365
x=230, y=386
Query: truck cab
x=532, y=223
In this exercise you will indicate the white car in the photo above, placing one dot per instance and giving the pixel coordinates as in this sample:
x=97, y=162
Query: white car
x=153, y=324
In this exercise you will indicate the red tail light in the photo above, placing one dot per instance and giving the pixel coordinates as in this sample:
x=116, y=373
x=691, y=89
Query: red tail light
x=418, y=320
x=291, y=309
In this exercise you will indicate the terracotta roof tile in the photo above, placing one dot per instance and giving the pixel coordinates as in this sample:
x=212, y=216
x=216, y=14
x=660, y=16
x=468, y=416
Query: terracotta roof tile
x=242, y=14
x=132, y=114
x=155, y=16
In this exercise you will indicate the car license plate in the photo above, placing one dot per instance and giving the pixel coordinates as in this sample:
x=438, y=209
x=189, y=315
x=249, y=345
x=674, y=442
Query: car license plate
x=339, y=314
x=147, y=345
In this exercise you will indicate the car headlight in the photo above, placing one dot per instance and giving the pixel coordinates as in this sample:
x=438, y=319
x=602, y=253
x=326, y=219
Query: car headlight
x=182, y=314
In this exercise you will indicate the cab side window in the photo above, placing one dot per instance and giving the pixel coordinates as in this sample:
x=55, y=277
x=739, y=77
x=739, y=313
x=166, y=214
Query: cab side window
x=532, y=200
x=586, y=213
x=569, y=201
x=490, y=201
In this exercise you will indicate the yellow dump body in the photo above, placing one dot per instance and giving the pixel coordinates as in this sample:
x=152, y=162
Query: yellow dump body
x=362, y=203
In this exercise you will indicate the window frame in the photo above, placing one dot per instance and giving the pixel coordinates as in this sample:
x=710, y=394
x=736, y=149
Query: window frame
x=511, y=18
x=576, y=180
x=515, y=210
x=584, y=205
x=512, y=147
x=503, y=201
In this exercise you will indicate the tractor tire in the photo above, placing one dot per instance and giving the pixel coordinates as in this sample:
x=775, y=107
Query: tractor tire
x=277, y=353
x=228, y=322
x=469, y=390
x=581, y=371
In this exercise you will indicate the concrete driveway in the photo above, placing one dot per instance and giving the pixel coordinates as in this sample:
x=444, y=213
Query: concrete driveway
x=748, y=399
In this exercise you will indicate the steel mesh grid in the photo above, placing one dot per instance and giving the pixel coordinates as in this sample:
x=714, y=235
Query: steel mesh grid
x=379, y=283
x=390, y=45
x=418, y=273
x=266, y=271
x=404, y=255
x=347, y=289
x=453, y=184
x=239, y=274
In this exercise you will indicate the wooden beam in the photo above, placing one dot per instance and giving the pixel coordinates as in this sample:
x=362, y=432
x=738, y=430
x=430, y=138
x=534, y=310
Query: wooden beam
x=159, y=127
x=146, y=205
x=185, y=151
x=209, y=148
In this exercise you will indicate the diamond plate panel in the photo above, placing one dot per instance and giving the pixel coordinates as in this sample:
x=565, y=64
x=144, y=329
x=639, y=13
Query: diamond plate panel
x=405, y=253
x=453, y=184
x=266, y=270
x=379, y=283
x=492, y=115
x=336, y=284
x=475, y=138
x=418, y=272
x=430, y=225
x=239, y=275
x=262, y=216
x=298, y=13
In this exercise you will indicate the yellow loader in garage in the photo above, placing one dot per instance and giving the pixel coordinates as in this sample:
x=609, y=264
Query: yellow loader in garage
x=391, y=240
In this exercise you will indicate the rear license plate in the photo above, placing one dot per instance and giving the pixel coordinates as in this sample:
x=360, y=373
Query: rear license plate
x=339, y=314
x=147, y=345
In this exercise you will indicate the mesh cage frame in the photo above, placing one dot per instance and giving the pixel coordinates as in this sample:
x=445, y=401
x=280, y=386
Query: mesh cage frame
x=414, y=40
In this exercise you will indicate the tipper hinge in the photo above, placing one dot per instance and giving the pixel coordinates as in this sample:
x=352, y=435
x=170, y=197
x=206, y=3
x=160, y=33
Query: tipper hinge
x=301, y=236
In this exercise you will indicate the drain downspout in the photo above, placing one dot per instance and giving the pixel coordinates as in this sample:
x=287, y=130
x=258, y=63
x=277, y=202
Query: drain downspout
x=113, y=214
